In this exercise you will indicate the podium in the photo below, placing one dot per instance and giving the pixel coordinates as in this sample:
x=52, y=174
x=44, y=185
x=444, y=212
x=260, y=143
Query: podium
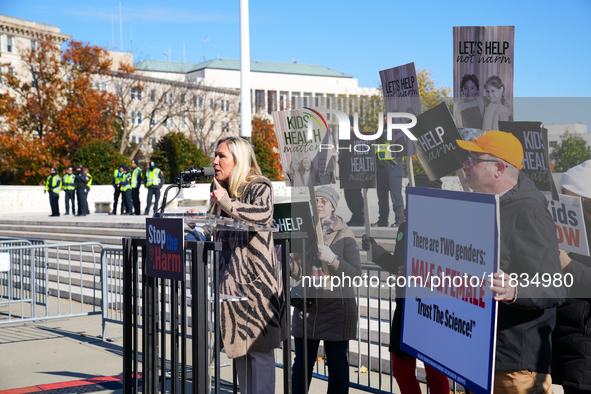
x=166, y=303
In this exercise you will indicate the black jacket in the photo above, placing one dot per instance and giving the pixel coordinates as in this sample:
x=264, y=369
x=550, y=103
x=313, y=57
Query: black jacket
x=528, y=246
x=391, y=263
x=571, y=365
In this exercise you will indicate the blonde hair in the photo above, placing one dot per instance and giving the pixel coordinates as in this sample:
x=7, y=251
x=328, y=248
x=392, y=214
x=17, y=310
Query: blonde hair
x=246, y=168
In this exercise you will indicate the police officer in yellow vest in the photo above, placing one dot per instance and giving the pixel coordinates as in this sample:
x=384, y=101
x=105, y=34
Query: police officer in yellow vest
x=53, y=185
x=154, y=182
x=70, y=190
x=125, y=186
x=137, y=176
x=116, y=181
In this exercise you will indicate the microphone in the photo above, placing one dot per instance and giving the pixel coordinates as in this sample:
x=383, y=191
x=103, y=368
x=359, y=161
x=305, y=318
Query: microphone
x=194, y=172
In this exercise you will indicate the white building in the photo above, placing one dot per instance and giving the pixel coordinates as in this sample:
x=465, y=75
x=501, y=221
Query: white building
x=555, y=131
x=19, y=34
x=274, y=86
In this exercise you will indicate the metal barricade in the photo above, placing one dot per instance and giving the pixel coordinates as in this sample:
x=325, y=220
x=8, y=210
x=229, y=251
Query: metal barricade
x=46, y=281
x=375, y=309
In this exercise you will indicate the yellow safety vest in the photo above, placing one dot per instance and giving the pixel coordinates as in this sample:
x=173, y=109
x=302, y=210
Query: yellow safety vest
x=153, y=177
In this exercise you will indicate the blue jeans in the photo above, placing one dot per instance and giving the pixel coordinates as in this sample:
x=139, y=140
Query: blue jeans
x=390, y=182
x=336, y=359
x=152, y=192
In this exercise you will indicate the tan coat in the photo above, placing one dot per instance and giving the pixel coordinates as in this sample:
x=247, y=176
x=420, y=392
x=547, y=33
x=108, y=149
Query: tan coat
x=250, y=267
x=334, y=316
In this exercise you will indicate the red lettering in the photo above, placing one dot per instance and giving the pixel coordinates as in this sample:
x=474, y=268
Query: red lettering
x=157, y=258
x=572, y=236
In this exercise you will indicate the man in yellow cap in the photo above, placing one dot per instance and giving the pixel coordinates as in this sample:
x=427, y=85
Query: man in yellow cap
x=528, y=247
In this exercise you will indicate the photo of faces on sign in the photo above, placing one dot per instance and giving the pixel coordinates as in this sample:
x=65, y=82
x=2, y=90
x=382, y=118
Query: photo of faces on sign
x=306, y=171
x=483, y=108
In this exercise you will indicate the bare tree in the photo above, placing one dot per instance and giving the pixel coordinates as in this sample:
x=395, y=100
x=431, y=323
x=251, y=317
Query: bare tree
x=151, y=107
x=215, y=113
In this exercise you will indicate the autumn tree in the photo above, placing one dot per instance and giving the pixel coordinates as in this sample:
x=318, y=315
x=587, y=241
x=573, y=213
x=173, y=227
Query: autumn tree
x=571, y=151
x=266, y=149
x=431, y=95
x=174, y=152
x=50, y=109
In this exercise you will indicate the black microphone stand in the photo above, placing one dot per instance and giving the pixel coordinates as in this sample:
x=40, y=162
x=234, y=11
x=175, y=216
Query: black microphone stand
x=180, y=184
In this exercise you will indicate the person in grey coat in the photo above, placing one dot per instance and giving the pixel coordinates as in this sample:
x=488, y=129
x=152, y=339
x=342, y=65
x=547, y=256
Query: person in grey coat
x=332, y=318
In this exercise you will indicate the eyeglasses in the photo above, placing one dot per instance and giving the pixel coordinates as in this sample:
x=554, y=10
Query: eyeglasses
x=321, y=200
x=474, y=160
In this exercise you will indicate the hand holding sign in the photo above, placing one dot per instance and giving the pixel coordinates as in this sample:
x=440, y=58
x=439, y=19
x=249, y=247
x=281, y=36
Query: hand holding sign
x=325, y=254
x=219, y=192
x=501, y=284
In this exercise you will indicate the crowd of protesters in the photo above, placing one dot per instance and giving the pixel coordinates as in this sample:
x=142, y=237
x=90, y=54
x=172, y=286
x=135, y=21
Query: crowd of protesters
x=542, y=333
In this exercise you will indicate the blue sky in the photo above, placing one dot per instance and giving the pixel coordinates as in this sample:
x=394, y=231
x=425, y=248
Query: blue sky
x=552, y=48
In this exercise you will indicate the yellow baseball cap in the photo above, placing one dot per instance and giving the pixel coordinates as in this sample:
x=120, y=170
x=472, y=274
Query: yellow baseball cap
x=497, y=143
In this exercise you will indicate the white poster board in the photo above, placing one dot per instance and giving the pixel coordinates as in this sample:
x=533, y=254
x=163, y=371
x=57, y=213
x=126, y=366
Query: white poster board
x=303, y=160
x=453, y=314
x=4, y=262
x=483, y=75
x=570, y=223
x=400, y=87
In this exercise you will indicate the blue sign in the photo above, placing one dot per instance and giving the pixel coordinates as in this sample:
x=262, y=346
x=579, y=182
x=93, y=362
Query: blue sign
x=164, y=241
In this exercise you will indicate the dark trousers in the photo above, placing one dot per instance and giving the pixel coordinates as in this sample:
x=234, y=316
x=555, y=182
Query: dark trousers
x=336, y=359
x=390, y=182
x=126, y=202
x=135, y=197
x=354, y=200
x=82, y=194
x=54, y=199
x=156, y=194
x=116, y=200
x=70, y=198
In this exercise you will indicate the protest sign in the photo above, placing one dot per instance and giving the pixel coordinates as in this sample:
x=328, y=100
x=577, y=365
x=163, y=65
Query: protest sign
x=304, y=162
x=569, y=218
x=536, y=162
x=436, y=143
x=400, y=87
x=296, y=217
x=448, y=308
x=165, y=244
x=483, y=75
x=357, y=164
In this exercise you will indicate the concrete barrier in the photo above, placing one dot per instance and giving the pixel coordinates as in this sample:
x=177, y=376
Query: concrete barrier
x=31, y=199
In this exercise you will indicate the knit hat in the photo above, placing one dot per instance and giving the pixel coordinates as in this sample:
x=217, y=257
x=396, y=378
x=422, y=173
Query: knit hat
x=126, y=168
x=422, y=180
x=53, y=170
x=578, y=179
x=497, y=143
x=328, y=193
x=136, y=162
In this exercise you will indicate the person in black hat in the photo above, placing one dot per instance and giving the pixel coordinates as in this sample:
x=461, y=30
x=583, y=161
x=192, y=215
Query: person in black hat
x=82, y=189
x=53, y=185
x=136, y=181
x=154, y=182
x=125, y=186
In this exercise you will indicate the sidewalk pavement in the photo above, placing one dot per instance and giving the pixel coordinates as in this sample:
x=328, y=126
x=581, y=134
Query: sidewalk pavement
x=69, y=356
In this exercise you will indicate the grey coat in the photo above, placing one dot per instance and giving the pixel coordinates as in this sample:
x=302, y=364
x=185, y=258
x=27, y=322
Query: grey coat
x=334, y=315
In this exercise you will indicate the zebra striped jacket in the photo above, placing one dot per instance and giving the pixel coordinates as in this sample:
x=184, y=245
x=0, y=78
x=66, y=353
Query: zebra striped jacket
x=249, y=268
